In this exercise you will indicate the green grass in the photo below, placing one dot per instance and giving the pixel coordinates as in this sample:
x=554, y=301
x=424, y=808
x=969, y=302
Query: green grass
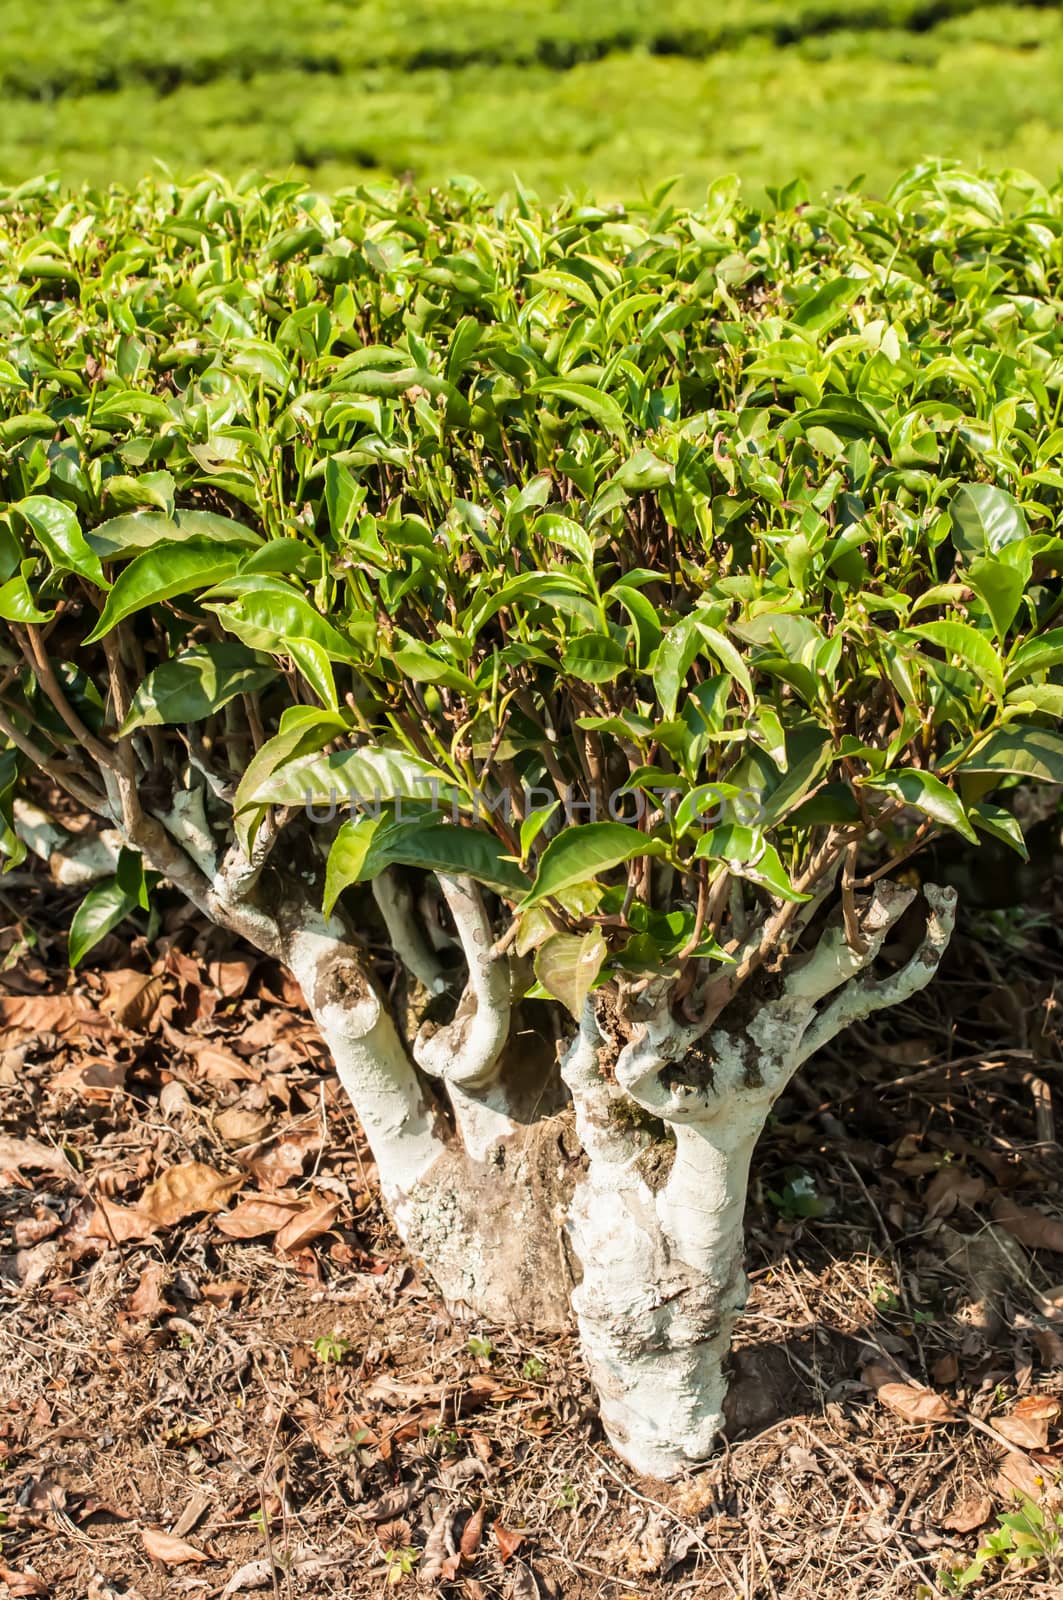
x=585, y=95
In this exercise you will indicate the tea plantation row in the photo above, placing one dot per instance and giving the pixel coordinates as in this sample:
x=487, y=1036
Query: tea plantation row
x=580, y=96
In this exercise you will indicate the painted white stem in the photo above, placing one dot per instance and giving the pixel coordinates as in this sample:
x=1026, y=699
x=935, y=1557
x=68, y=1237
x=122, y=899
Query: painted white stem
x=597, y=1098
x=858, y=1000
x=372, y=1064
x=73, y=858
x=395, y=904
x=486, y=1232
x=467, y=1050
x=662, y=1285
x=662, y=1263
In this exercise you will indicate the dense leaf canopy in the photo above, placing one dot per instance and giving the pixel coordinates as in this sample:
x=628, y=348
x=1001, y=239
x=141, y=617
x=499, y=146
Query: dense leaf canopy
x=639, y=563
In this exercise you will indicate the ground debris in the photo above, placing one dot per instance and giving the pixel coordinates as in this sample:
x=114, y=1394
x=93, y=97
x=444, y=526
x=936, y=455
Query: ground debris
x=167, y=1364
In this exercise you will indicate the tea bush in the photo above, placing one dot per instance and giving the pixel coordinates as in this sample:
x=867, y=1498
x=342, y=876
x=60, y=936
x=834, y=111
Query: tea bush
x=622, y=594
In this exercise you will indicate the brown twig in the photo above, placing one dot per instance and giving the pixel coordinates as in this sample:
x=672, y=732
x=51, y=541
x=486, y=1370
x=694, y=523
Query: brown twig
x=39, y=662
x=79, y=791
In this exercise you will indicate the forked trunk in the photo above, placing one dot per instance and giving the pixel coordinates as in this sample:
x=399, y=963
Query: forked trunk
x=492, y=1186
x=476, y=1184
x=657, y=1227
x=662, y=1286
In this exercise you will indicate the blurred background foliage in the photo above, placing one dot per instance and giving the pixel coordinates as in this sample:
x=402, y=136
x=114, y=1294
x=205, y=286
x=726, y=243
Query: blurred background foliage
x=595, y=95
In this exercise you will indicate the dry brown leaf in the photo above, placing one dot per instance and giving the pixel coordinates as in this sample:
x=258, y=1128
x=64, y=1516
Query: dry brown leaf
x=278, y=1088
x=307, y=1226
x=1028, y=1422
x=257, y=1035
x=33, y=1265
x=389, y=1505
x=195, y=1507
x=31, y=1230
x=385, y=1391
x=875, y=1373
x=237, y=1126
x=276, y=1167
x=1049, y=1347
x=950, y=1187
x=93, y=1079
x=34, y=1014
x=185, y=1190
x=437, y=1547
x=508, y=1543
x=461, y=1472
x=1031, y=1228
x=220, y=1066
x=946, y=1368
x=231, y=977
x=259, y=1574
x=969, y=1514
x=915, y=1404
x=223, y=1291
x=473, y=1532
x=171, y=1551
x=21, y=1585
x=174, y=1100
x=1038, y=1405
x=257, y=1216
x=118, y=984
x=284, y=989
x=1019, y=1475
x=148, y=1298
x=18, y=1153
x=132, y=998
x=119, y=1224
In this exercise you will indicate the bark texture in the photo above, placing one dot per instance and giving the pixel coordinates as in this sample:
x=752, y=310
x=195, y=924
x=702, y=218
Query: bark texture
x=660, y=1240
x=483, y=1212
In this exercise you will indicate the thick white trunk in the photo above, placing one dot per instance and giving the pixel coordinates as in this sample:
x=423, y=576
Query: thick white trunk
x=370, y=1060
x=660, y=1246
x=662, y=1285
x=479, y=1204
x=479, y=1181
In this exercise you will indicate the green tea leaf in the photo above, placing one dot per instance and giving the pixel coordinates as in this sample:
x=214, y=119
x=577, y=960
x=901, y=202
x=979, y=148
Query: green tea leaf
x=567, y=967
x=600, y=407
x=162, y=574
x=594, y=658
x=747, y=854
x=103, y=908
x=143, y=530
x=1025, y=751
x=59, y=534
x=926, y=793
x=196, y=684
x=984, y=519
x=586, y=852
x=972, y=648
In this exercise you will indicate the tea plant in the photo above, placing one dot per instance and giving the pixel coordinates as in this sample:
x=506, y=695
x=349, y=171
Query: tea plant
x=345, y=89
x=1028, y=1538
x=547, y=633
